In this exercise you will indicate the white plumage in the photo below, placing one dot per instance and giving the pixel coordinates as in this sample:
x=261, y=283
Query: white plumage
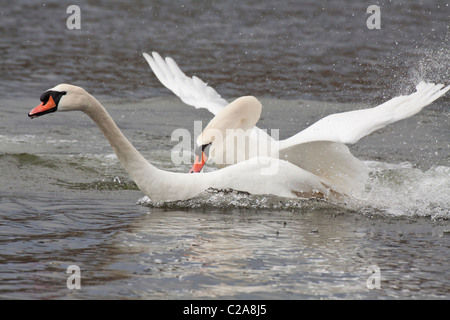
x=320, y=148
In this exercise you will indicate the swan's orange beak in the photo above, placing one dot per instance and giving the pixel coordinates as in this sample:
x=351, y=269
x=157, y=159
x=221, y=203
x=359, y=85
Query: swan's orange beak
x=198, y=164
x=43, y=108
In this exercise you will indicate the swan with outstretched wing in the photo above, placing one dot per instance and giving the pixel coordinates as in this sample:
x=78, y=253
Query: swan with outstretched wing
x=287, y=180
x=320, y=148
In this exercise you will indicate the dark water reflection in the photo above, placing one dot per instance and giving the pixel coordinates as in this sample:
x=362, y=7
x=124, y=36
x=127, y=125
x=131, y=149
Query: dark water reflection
x=319, y=252
x=309, y=49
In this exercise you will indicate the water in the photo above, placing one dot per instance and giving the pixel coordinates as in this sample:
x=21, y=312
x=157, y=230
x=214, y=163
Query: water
x=64, y=198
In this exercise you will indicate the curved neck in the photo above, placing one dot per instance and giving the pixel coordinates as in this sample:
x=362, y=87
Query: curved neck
x=157, y=184
x=134, y=163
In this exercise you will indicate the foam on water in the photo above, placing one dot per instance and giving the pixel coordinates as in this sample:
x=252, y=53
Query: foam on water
x=403, y=190
x=398, y=190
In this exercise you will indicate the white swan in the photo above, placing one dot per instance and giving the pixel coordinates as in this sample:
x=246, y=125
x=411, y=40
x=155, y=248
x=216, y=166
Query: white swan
x=289, y=181
x=319, y=149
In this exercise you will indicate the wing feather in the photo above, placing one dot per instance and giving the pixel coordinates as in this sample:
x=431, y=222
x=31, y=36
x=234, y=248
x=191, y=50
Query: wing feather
x=191, y=90
x=350, y=127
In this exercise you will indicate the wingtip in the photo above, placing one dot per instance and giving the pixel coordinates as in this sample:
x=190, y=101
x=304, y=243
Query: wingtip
x=428, y=92
x=155, y=55
x=147, y=57
x=431, y=86
x=422, y=85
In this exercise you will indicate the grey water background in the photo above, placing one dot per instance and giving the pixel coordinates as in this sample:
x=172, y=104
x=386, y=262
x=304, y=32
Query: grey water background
x=64, y=199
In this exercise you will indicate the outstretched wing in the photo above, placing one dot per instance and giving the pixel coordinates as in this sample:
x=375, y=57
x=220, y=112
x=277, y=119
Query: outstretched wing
x=321, y=148
x=192, y=91
x=349, y=127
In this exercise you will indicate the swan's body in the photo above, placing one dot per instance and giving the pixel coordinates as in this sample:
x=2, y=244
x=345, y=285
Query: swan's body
x=313, y=163
x=159, y=185
x=319, y=149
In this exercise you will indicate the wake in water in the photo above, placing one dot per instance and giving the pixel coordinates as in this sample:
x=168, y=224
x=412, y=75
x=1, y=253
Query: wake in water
x=403, y=190
x=395, y=190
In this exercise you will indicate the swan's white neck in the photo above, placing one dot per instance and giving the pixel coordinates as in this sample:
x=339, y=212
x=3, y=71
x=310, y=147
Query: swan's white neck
x=169, y=186
x=139, y=169
x=155, y=183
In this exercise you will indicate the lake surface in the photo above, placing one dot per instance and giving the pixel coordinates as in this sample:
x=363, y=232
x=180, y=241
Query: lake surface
x=65, y=200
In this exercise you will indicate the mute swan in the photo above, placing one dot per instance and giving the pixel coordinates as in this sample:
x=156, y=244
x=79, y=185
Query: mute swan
x=319, y=149
x=289, y=181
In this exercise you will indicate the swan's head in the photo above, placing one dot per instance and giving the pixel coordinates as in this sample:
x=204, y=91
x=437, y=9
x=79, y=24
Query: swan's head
x=63, y=97
x=234, y=120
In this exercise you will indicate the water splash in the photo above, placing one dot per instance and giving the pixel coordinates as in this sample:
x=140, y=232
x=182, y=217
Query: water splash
x=430, y=64
x=228, y=200
x=394, y=190
x=403, y=190
x=434, y=65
